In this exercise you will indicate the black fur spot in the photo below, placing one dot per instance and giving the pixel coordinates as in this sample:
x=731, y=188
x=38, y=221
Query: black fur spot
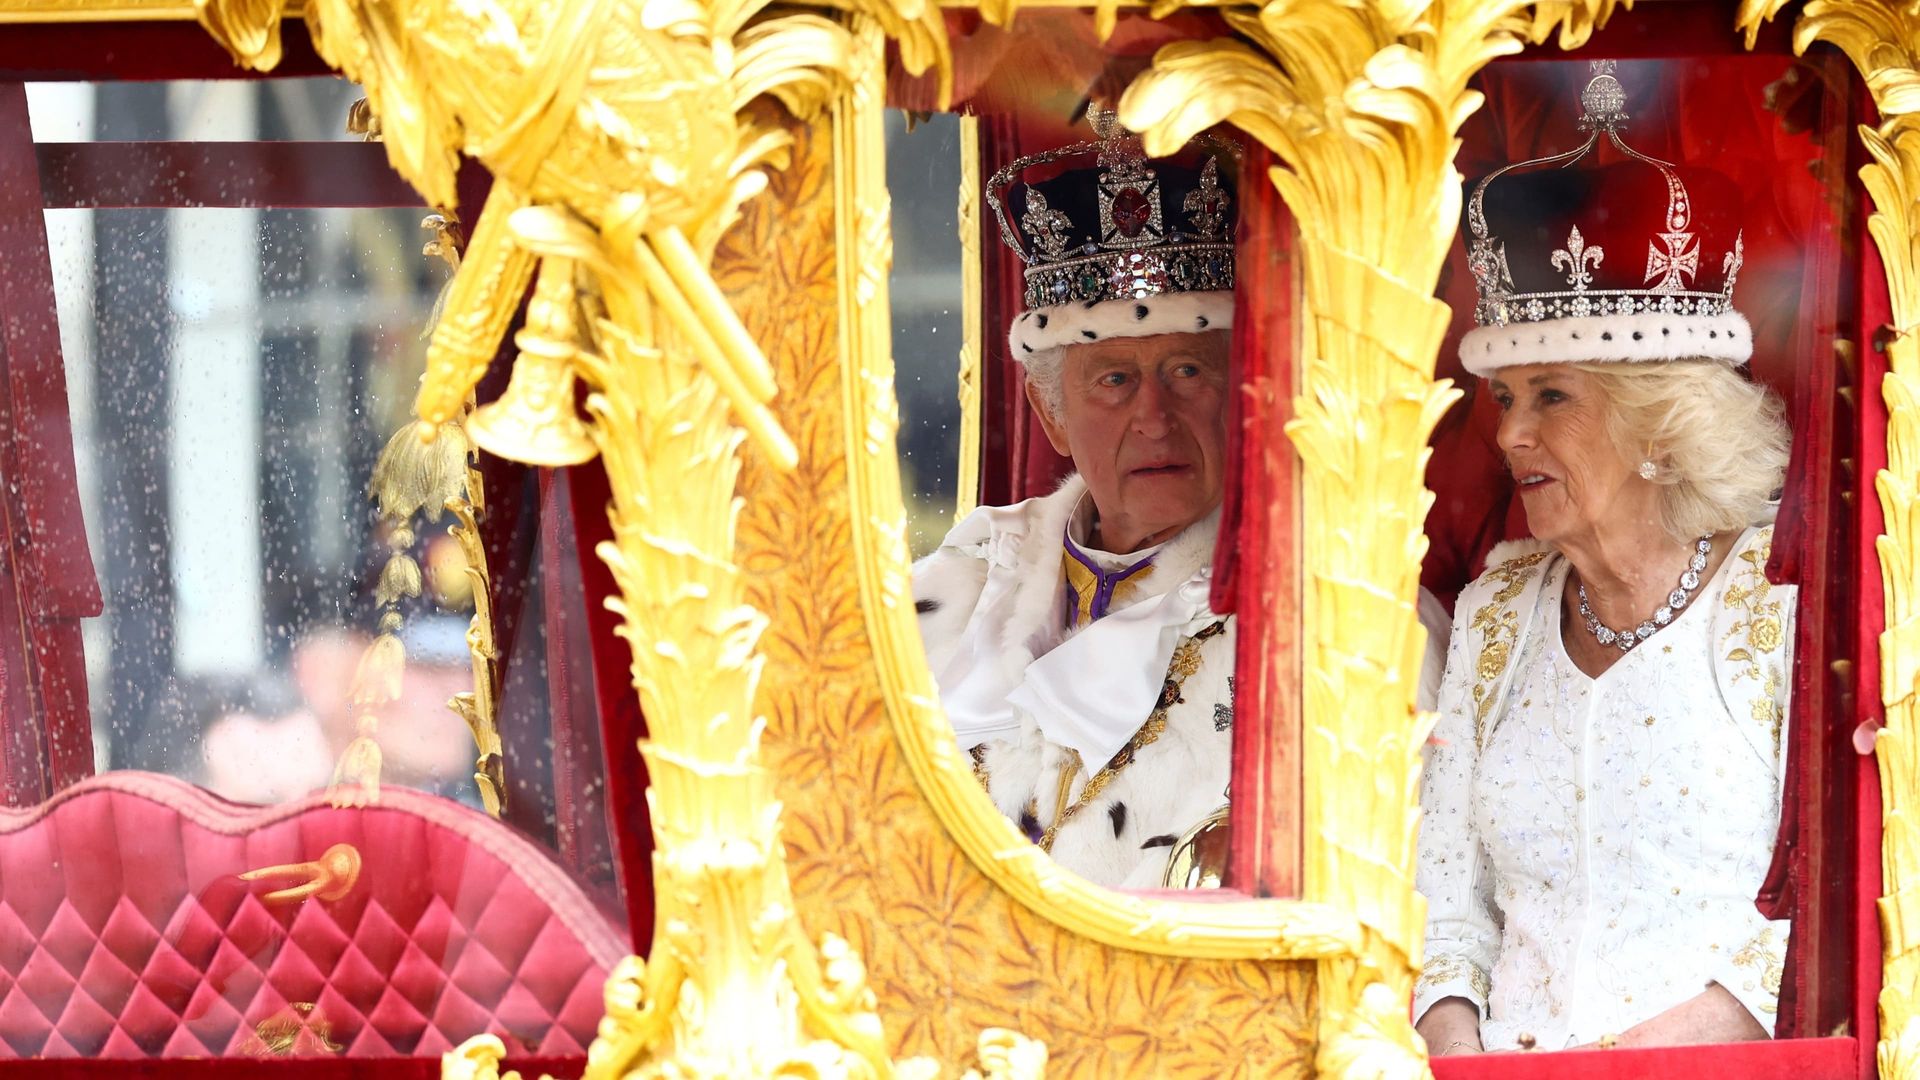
x=1607, y=336
x=1637, y=335
x=1118, y=812
x=1139, y=311
x=1575, y=337
x=1200, y=321
x=926, y=607
x=1665, y=330
x=1090, y=335
x=1042, y=320
x=1163, y=840
x=1029, y=824
x=1713, y=333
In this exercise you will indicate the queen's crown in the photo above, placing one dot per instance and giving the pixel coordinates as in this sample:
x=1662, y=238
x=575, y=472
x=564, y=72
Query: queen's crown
x=1553, y=243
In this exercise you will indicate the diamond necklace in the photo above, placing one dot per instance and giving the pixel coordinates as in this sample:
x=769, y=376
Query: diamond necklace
x=1677, y=599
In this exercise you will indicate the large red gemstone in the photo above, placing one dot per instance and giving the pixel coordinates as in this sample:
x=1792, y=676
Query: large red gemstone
x=1131, y=212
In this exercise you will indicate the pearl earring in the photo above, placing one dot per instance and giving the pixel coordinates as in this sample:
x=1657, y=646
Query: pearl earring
x=1647, y=470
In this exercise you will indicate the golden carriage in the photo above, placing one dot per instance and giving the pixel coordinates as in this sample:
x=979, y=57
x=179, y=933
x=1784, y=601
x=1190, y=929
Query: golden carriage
x=687, y=226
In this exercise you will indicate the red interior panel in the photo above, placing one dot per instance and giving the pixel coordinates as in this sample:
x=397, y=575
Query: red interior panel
x=139, y=939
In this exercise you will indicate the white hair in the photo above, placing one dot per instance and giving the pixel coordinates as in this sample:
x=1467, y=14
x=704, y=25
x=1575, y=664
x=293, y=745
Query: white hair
x=1046, y=369
x=1719, y=443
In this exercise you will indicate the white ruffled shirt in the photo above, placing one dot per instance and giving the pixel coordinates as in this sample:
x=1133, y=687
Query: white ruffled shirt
x=1596, y=863
x=1089, y=690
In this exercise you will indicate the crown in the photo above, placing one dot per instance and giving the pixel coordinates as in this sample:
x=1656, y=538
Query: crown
x=1099, y=221
x=1561, y=245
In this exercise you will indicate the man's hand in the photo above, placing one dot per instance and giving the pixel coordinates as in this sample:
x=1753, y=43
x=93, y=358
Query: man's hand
x=1451, y=1026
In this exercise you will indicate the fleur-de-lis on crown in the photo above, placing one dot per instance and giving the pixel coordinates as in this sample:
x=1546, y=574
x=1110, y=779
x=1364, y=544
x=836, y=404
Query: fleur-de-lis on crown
x=1206, y=205
x=1577, y=260
x=1673, y=266
x=1730, y=266
x=1046, y=225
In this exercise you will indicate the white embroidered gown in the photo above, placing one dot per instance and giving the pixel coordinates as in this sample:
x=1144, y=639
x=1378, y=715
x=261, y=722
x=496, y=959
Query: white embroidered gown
x=1590, y=851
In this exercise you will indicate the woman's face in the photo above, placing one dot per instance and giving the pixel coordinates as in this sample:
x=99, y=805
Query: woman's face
x=1553, y=431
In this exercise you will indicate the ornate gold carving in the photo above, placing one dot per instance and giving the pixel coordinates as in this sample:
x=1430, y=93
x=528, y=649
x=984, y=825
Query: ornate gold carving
x=478, y=708
x=536, y=414
x=1361, y=103
x=972, y=334
x=330, y=877
x=918, y=892
x=1883, y=40
x=414, y=478
x=410, y=478
x=621, y=145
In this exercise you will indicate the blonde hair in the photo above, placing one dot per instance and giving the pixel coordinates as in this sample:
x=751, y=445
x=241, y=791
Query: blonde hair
x=1719, y=443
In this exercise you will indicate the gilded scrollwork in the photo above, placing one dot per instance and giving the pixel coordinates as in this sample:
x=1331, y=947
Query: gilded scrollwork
x=937, y=892
x=623, y=146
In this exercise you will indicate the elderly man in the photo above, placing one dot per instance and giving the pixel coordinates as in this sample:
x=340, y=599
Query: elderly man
x=1070, y=634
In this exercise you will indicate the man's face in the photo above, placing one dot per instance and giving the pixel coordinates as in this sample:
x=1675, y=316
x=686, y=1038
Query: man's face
x=1145, y=421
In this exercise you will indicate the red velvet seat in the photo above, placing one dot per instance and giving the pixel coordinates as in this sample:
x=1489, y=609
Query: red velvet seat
x=126, y=932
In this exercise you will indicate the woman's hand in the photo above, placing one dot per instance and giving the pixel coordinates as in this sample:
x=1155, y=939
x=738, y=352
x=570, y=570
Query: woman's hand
x=1451, y=1026
x=1713, y=1016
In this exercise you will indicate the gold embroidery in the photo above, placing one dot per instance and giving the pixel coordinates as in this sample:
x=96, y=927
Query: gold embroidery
x=1765, y=954
x=1763, y=627
x=1445, y=969
x=1499, y=629
x=1085, y=584
x=1186, y=661
x=980, y=771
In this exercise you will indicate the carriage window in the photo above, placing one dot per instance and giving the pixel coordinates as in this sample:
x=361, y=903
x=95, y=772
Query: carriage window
x=233, y=378
x=1067, y=367
x=291, y=676
x=1708, y=208
x=929, y=335
x=196, y=110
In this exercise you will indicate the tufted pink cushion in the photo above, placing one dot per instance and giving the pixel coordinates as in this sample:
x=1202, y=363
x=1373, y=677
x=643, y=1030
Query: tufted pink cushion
x=126, y=932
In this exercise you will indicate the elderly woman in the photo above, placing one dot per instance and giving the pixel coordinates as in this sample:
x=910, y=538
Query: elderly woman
x=1603, y=786
x=1070, y=634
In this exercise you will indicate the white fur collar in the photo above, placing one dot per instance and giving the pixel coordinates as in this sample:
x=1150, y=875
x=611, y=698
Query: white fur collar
x=1035, y=615
x=995, y=604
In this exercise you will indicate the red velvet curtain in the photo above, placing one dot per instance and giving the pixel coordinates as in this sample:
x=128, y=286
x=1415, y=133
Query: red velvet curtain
x=46, y=573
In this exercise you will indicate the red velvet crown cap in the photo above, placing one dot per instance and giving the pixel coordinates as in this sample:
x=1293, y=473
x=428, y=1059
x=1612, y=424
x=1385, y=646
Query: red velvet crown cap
x=1627, y=261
